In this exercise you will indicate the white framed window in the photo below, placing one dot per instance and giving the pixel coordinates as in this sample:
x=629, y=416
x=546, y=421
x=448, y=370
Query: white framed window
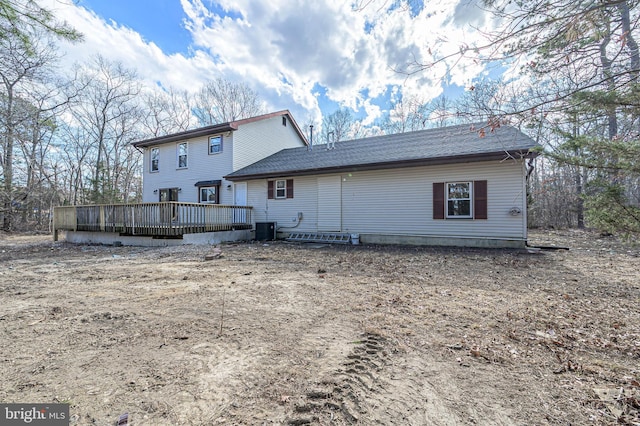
x=459, y=199
x=209, y=194
x=182, y=153
x=154, y=163
x=215, y=145
x=281, y=189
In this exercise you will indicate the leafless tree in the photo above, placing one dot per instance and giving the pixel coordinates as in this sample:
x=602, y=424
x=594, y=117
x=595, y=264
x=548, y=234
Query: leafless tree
x=23, y=65
x=166, y=112
x=105, y=120
x=337, y=126
x=40, y=187
x=407, y=114
x=221, y=101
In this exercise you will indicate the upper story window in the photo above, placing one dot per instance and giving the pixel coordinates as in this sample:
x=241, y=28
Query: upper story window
x=215, y=144
x=182, y=150
x=459, y=199
x=154, y=160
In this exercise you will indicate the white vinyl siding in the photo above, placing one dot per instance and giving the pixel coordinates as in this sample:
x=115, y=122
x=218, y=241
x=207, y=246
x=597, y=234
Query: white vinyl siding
x=400, y=201
x=201, y=166
x=251, y=142
x=285, y=211
x=260, y=139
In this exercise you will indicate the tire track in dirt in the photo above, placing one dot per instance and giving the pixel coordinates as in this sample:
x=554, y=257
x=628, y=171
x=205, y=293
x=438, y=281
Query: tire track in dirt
x=378, y=383
x=345, y=397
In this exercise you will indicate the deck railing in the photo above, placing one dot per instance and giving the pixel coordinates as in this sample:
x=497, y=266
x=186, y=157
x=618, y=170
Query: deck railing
x=168, y=219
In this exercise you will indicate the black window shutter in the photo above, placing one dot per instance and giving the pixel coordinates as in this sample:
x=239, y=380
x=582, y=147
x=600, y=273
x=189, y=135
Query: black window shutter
x=438, y=200
x=289, y=188
x=270, y=190
x=480, y=199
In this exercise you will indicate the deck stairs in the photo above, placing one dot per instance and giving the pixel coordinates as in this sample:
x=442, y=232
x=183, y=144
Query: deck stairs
x=323, y=237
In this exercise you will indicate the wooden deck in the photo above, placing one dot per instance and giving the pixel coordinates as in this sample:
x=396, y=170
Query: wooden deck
x=161, y=220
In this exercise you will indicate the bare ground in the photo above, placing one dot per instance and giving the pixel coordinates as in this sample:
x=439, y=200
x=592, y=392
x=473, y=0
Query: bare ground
x=282, y=333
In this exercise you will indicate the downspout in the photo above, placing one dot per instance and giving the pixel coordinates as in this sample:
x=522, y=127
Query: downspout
x=527, y=169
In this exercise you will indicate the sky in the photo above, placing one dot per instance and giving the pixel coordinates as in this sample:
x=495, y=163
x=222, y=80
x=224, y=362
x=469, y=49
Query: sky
x=308, y=56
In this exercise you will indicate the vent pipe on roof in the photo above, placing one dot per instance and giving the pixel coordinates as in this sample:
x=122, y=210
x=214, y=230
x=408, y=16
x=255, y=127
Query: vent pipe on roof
x=311, y=138
x=331, y=140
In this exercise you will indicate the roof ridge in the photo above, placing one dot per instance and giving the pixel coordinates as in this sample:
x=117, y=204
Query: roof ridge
x=218, y=128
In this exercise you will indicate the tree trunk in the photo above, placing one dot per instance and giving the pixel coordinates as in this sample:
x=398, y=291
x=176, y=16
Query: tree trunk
x=580, y=200
x=612, y=119
x=7, y=223
x=634, y=59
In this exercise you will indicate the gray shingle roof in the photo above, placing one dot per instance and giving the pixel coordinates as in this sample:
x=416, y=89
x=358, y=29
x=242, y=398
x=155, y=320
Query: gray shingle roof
x=218, y=128
x=462, y=143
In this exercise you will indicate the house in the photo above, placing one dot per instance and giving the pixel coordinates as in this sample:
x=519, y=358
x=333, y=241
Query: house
x=186, y=199
x=461, y=185
x=189, y=166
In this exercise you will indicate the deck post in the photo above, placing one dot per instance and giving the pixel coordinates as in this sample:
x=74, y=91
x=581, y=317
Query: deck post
x=102, y=219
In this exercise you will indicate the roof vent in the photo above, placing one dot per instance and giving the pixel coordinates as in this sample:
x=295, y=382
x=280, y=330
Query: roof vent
x=331, y=140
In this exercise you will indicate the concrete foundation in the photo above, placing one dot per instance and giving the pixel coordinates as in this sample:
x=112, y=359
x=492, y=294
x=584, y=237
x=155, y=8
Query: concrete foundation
x=212, y=238
x=218, y=237
x=441, y=241
x=112, y=238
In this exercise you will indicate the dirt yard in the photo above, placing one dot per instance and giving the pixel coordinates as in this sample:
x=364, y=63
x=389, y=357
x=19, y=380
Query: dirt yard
x=289, y=334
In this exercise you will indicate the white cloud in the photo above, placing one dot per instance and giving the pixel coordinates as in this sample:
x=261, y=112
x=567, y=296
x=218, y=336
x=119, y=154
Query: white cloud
x=285, y=48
